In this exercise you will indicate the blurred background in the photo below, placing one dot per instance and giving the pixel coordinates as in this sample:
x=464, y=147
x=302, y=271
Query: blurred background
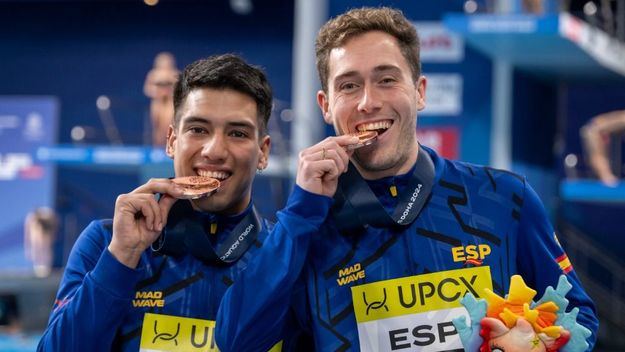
x=85, y=87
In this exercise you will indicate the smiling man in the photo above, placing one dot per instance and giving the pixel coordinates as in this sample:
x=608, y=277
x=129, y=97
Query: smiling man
x=377, y=246
x=152, y=277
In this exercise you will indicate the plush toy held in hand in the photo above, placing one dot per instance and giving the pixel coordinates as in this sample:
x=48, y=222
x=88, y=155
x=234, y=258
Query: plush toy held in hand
x=516, y=323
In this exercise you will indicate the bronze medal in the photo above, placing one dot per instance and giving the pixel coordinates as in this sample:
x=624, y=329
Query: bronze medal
x=196, y=186
x=365, y=138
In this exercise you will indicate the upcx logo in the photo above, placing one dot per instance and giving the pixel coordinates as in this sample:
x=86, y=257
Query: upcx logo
x=375, y=304
x=414, y=313
x=171, y=333
x=168, y=333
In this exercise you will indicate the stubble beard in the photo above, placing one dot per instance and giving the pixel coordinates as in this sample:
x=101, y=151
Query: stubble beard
x=387, y=160
x=389, y=157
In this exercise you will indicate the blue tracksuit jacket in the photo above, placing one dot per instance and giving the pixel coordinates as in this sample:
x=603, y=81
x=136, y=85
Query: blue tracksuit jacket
x=167, y=303
x=380, y=289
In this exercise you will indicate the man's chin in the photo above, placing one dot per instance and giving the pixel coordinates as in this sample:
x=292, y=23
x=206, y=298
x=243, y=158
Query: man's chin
x=376, y=164
x=209, y=204
x=372, y=161
x=373, y=165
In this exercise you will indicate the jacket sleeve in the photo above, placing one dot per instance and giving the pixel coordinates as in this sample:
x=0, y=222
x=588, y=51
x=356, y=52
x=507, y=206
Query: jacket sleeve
x=95, y=292
x=253, y=311
x=541, y=261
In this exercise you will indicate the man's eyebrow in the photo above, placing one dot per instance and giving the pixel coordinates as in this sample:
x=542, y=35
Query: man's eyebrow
x=242, y=123
x=345, y=75
x=377, y=69
x=385, y=68
x=194, y=119
x=202, y=120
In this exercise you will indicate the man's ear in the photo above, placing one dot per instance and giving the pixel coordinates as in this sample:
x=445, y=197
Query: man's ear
x=171, y=141
x=265, y=147
x=322, y=101
x=420, y=86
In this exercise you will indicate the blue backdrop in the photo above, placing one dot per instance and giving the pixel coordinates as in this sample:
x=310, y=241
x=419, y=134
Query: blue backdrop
x=26, y=123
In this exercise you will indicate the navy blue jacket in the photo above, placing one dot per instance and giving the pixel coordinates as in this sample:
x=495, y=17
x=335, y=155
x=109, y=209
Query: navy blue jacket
x=102, y=305
x=398, y=288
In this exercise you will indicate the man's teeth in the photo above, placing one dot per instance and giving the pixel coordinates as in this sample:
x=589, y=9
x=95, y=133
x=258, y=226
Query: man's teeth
x=382, y=125
x=220, y=175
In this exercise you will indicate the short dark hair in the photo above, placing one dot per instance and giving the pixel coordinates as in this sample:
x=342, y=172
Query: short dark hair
x=339, y=29
x=226, y=71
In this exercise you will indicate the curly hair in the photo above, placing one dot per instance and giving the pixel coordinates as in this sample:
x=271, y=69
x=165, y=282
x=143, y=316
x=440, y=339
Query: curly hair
x=337, y=31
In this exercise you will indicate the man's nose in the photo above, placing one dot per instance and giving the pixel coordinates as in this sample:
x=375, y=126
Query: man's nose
x=215, y=148
x=369, y=100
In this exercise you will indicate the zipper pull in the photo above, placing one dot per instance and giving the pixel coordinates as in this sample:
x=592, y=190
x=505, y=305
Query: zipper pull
x=393, y=191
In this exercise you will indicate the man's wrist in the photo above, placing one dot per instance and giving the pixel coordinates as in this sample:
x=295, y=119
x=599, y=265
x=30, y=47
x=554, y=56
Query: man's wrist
x=127, y=256
x=307, y=204
x=115, y=277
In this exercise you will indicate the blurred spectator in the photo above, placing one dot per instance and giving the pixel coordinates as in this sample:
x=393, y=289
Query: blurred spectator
x=159, y=87
x=533, y=6
x=596, y=139
x=40, y=230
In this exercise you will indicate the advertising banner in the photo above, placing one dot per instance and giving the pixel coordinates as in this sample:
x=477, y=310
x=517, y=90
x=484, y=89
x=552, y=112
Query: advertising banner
x=26, y=123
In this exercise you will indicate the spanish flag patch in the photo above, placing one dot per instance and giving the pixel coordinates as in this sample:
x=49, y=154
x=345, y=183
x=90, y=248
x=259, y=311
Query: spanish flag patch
x=564, y=263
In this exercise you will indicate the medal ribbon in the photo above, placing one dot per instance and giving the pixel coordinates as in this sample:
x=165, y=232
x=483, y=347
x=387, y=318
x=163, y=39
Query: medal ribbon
x=185, y=233
x=356, y=205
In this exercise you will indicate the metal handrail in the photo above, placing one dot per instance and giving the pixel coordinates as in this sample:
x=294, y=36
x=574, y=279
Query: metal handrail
x=582, y=251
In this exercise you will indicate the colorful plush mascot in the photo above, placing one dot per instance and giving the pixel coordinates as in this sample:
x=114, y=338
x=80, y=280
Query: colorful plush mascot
x=516, y=323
